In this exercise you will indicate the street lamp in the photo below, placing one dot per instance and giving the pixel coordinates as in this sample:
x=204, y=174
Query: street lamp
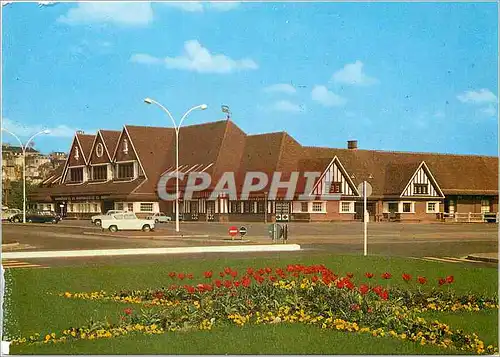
x=24, y=147
x=176, y=127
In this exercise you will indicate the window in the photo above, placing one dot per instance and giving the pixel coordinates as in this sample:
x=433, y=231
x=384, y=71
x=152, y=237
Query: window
x=431, y=207
x=247, y=206
x=119, y=206
x=317, y=207
x=346, y=207
x=260, y=206
x=420, y=189
x=146, y=207
x=406, y=207
x=130, y=207
x=76, y=174
x=335, y=187
x=100, y=173
x=451, y=206
x=235, y=207
x=129, y=216
x=393, y=207
x=126, y=170
x=485, y=206
x=96, y=207
x=304, y=207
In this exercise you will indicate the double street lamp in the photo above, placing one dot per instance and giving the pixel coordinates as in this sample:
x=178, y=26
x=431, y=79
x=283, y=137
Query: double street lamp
x=23, y=148
x=176, y=127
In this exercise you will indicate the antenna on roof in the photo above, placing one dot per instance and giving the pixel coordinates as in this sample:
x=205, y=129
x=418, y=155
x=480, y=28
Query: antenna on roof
x=225, y=109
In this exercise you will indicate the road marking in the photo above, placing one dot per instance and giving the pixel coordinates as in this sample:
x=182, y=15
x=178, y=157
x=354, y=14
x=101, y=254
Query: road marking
x=463, y=260
x=440, y=259
x=13, y=264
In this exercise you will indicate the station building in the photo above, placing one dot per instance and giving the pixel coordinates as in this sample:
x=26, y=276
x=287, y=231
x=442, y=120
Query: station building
x=121, y=170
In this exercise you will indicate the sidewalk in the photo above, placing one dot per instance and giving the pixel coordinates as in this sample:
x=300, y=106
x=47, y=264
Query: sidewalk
x=484, y=257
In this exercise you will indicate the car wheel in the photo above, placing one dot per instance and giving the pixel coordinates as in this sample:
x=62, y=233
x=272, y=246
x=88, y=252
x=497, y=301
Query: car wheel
x=30, y=220
x=146, y=228
x=54, y=221
x=156, y=221
x=17, y=220
x=97, y=222
x=113, y=228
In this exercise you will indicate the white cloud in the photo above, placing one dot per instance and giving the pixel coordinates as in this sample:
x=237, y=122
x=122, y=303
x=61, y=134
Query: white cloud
x=439, y=114
x=145, y=59
x=198, y=59
x=327, y=98
x=26, y=131
x=352, y=73
x=198, y=6
x=188, y=6
x=117, y=13
x=223, y=5
x=281, y=88
x=287, y=106
x=46, y=3
x=481, y=96
x=490, y=111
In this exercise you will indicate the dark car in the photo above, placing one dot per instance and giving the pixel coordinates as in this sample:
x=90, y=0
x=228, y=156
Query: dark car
x=37, y=217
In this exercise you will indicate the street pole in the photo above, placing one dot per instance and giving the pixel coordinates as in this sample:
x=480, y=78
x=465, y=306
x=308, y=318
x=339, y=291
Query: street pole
x=265, y=207
x=23, y=148
x=177, y=128
x=365, y=223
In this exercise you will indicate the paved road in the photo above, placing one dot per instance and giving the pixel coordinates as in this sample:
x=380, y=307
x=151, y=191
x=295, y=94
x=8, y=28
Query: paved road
x=391, y=239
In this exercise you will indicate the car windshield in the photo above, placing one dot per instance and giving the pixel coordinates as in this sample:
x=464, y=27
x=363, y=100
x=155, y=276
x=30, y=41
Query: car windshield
x=118, y=216
x=129, y=216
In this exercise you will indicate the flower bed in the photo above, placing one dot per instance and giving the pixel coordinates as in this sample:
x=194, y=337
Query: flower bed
x=296, y=294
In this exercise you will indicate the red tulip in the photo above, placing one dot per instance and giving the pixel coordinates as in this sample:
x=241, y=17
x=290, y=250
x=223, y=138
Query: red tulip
x=208, y=274
x=355, y=307
x=228, y=284
x=422, y=280
x=249, y=271
x=350, y=275
x=234, y=273
x=406, y=277
x=227, y=271
x=218, y=283
x=369, y=275
x=450, y=279
x=384, y=295
x=386, y=275
x=172, y=275
x=442, y=281
x=190, y=276
x=314, y=278
x=181, y=276
x=363, y=289
x=128, y=311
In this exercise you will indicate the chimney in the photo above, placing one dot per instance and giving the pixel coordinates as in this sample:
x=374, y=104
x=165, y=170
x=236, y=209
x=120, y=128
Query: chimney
x=80, y=132
x=352, y=144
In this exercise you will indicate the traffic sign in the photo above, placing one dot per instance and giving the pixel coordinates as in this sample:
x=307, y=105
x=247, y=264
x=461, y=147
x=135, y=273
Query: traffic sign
x=243, y=231
x=369, y=189
x=233, y=231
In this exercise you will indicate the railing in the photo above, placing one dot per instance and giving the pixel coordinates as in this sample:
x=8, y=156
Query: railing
x=471, y=217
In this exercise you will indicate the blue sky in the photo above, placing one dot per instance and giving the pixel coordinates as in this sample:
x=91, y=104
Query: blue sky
x=394, y=76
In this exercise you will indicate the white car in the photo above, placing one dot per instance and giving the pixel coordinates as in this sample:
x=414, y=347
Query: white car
x=160, y=217
x=98, y=219
x=8, y=213
x=126, y=221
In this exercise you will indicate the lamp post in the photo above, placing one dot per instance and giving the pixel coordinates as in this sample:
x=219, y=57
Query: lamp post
x=176, y=127
x=24, y=147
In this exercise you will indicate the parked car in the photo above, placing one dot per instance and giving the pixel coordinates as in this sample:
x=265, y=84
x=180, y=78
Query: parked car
x=159, y=217
x=8, y=213
x=37, y=217
x=98, y=218
x=126, y=221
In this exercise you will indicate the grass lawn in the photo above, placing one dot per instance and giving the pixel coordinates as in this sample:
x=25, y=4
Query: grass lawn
x=33, y=306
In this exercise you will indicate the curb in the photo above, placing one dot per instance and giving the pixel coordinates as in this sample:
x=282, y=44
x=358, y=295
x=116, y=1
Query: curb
x=146, y=237
x=482, y=259
x=153, y=251
x=46, y=225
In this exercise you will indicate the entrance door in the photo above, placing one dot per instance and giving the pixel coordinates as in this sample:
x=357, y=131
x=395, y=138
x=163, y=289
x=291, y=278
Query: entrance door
x=107, y=206
x=370, y=207
x=210, y=210
x=282, y=211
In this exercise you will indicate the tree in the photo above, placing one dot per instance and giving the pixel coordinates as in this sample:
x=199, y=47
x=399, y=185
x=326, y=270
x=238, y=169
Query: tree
x=14, y=198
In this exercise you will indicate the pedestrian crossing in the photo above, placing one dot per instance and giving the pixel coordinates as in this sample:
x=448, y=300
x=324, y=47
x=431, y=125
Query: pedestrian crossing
x=15, y=264
x=449, y=260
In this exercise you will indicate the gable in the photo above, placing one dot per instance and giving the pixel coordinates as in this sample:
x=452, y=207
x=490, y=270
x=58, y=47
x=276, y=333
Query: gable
x=422, y=184
x=335, y=174
x=76, y=155
x=124, y=150
x=99, y=153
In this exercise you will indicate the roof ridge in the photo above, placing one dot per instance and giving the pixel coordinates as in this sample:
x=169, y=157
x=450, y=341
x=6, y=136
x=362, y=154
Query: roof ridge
x=399, y=152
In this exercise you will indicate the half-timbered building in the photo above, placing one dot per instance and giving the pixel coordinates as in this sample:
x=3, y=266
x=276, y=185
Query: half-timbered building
x=121, y=170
